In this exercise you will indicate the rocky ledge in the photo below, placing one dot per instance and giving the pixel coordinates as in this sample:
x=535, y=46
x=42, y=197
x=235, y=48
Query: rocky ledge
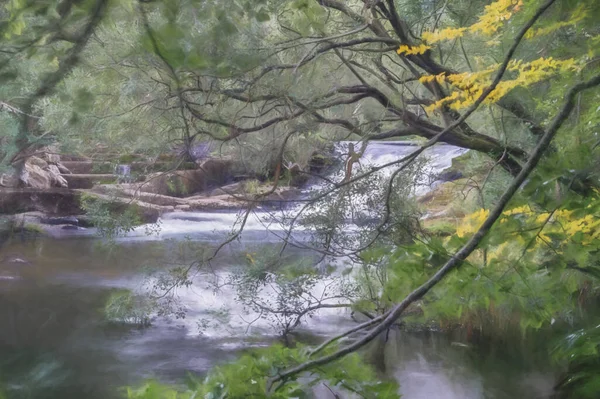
x=57, y=198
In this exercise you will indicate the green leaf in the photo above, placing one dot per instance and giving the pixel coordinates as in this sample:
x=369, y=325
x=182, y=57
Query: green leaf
x=262, y=16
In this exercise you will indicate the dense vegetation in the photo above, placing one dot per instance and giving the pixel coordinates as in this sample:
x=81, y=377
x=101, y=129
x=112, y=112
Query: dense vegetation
x=271, y=83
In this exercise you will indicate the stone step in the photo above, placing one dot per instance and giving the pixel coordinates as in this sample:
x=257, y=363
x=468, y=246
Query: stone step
x=94, y=167
x=89, y=180
x=132, y=191
x=51, y=201
x=88, y=167
x=147, y=212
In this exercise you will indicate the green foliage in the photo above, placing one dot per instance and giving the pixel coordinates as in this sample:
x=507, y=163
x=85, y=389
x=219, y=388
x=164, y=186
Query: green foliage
x=580, y=351
x=251, y=375
x=111, y=218
x=8, y=134
x=123, y=306
x=531, y=270
x=286, y=290
x=160, y=74
x=155, y=390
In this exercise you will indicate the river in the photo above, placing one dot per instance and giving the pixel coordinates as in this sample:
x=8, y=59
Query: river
x=56, y=341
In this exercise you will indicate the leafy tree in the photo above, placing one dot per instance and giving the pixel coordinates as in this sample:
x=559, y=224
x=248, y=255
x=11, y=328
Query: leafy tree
x=515, y=81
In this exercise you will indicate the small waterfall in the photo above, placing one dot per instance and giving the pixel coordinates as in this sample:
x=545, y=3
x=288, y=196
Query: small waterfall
x=380, y=153
x=265, y=226
x=124, y=172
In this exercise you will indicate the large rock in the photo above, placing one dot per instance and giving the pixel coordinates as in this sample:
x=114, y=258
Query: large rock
x=182, y=183
x=9, y=180
x=146, y=212
x=63, y=169
x=449, y=175
x=37, y=173
x=131, y=190
x=50, y=154
x=298, y=177
x=52, y=201
x=230, y=189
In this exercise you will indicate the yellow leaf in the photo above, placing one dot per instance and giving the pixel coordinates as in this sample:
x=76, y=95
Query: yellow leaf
x=413, y=50
x=444, y=34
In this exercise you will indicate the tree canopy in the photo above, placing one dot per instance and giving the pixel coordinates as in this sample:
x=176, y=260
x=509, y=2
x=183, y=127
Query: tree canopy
x=270, y=81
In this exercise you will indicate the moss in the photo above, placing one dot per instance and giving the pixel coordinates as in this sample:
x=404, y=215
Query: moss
x=129, y=158
x=111, y=180
x=186, y=166
x=440, y=227
x=102, y=168
x=33, y=228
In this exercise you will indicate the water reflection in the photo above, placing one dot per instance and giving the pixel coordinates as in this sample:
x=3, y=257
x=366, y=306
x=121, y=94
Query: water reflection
x=55, y=341
x=432, y=365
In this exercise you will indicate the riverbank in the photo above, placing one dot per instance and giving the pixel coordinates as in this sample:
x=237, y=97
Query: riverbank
x=213, y=187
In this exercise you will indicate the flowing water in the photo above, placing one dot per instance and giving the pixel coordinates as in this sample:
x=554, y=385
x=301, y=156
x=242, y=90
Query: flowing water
x=56, y=342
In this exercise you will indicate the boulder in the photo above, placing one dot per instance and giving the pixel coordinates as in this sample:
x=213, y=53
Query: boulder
x=50, y=154
x=35, y=177
x=52, y=201
x=37, y=173
x=146, y=213
x=37, y=162
x=9, y=180
x=234, y=188
x=63, y=169
x=183, y=183
x=179, y=183
x=298, y=177
x=449, y=175
x=217, y=171
x=54, y=221
x=58, y=180
x=321, y=160
x=52, y=158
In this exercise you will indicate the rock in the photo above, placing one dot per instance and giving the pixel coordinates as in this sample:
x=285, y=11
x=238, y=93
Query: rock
x=88, y=180
x=146, y=213
x=219, y=202
x=52, y=158
x=37, y=162
x=63, y=169
x=133, y=191
x=284, y=194
x=53, y=221
x=50, y=154
x=320, y=160
x=84, y=221
x=449, y=175
x=9, y=180
x=234, y=188
x=37, y=173
x=70, y=227
x=183, y=208
x=35, y=177
x=58, y=180
x=298, y=177
x=217, y=171
x=241, y=177
x=87, y=167
x=182, y=183
x=52, y=201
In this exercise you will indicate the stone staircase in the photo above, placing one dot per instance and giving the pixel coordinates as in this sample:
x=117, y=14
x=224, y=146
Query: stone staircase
x=155, y=187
